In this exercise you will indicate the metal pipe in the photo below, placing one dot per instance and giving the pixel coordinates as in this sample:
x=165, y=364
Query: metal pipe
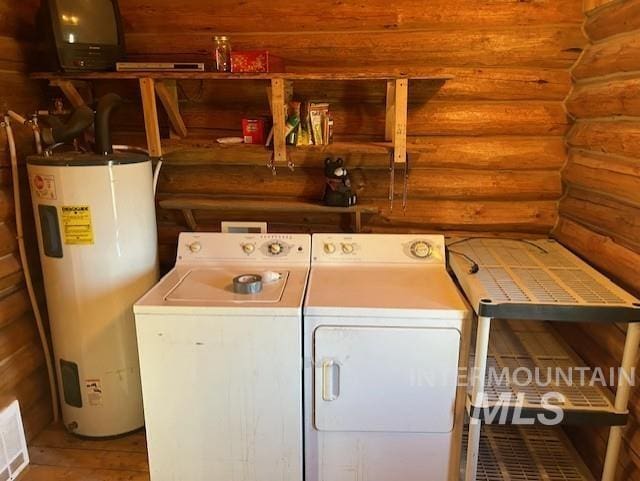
x=106, y=106
x=477, y=396
x=623, y=393
x=25, y=267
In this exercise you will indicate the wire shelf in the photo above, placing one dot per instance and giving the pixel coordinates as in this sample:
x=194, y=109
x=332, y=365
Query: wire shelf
x=536, y=279
x=509, y=453
x=529, y=360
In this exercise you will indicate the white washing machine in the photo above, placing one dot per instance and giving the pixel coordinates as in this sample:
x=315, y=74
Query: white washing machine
x=384, y=335
x=221, y=370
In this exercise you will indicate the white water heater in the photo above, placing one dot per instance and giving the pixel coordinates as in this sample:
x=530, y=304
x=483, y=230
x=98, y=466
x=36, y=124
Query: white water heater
x=96, y=226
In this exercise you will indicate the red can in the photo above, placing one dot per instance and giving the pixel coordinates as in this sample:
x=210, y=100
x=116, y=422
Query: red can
x=254, y=131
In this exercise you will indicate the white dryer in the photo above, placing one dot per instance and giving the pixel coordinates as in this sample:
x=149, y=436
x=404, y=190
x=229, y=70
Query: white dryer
x=384, y=333
x=221, y=370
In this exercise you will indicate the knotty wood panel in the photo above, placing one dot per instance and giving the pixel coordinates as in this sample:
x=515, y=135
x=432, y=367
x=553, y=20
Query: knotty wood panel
x=599, y=215
x=22, y=371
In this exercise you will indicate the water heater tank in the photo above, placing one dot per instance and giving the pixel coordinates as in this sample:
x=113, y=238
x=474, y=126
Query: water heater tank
x=96, y=226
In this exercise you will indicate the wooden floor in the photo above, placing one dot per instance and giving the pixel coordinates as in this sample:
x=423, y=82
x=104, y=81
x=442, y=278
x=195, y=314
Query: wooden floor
x=59, y=456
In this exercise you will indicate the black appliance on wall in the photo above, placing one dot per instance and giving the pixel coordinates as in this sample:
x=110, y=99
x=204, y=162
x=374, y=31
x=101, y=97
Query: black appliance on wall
x=81, y=35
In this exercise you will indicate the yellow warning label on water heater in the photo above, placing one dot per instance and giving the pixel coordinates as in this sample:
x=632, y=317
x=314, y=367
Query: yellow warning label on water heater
x=76, y=224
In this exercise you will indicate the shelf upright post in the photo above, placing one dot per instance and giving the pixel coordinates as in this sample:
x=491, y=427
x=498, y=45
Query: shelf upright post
x=278, y=102
x=623, y=394
x=150, y=110
x=477, y=393
x=389, y=124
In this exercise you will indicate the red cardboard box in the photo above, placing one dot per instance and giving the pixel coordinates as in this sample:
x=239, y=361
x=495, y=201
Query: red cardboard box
x=258, y=61
x=254, y=131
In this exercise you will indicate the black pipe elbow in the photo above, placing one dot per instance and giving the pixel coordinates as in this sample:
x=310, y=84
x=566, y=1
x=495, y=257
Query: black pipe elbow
x=106, y=106
x=80, y=120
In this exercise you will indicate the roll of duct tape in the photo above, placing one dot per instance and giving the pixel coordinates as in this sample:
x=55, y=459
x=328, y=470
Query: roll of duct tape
x=247, y=284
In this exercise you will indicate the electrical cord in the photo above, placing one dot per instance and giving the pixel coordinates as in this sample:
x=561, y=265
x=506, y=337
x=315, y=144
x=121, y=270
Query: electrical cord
x=524, y=241
x=25, y=268
x=474, y=268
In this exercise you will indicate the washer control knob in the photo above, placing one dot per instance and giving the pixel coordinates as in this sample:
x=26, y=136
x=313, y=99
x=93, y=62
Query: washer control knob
x=329, y=248
x=195, y=247
x=421, y=249
x=248, y=248
x=348, y=248
x=275, y=249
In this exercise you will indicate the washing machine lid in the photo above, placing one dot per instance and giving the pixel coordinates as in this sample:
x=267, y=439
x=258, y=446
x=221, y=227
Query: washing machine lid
x=200, y=290
x=426, y=292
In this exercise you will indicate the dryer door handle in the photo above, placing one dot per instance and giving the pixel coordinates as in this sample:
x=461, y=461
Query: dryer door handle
x=330, y=380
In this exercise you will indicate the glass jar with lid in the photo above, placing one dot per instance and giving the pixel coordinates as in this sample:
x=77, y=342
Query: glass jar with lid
x=222, y=53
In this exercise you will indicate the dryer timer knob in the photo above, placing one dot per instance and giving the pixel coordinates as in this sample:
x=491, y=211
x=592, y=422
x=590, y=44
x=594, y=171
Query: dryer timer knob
x=195, y=247
x=421, y=249
x=329, y=248
x=275, y=248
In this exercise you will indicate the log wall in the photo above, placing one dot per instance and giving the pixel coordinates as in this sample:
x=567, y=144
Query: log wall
x=22, y=371
x=491, y=141
x=600, y=214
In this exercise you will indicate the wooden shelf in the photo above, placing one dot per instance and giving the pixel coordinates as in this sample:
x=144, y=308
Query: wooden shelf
x=188, y=204
x=202, y=152
x=293, y=76
x=280, y=92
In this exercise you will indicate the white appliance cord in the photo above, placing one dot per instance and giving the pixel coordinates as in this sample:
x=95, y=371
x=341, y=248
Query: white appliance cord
x=156, y=172
x=27, y=272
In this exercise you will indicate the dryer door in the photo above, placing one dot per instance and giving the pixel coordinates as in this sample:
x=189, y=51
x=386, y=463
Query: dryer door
x=385, y=379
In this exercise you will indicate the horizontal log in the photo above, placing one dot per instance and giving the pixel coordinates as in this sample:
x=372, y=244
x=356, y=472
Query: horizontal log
x=309, y=183
x=467, y=84
x=10, y=271
x=606, y=99
x=524, y=216
x=611, y=258
x=14, y=54
x=8, y=242
x=19, y=366
x=615, y=18
x=616, y=55
x=19, y=94
x=605, y=215
x=433, y=118
x=502, y=153
x=160, y=16
x=590, y=6
x=620, y=137
x=537, y=46
x=611, y=175
x=14, y=305
x=17, y=19
x=17, y=334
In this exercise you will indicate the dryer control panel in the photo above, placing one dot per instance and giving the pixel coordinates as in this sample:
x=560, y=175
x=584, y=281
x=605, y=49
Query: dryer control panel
x=378, y=249
x=265, y=248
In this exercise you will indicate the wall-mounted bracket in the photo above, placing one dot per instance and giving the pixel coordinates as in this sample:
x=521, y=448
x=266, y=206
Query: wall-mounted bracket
x=150, y=110
x=167, y=92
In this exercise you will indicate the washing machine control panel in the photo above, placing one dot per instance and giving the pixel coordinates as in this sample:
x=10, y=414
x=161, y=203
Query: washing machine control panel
x=218, y=247
x=378, y=248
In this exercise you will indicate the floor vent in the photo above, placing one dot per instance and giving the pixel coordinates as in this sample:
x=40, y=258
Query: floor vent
x=13, y=446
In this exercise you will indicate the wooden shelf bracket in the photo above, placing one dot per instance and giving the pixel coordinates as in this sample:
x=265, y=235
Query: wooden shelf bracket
x=167, y=92
x=150, y=110
x=70, y=91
